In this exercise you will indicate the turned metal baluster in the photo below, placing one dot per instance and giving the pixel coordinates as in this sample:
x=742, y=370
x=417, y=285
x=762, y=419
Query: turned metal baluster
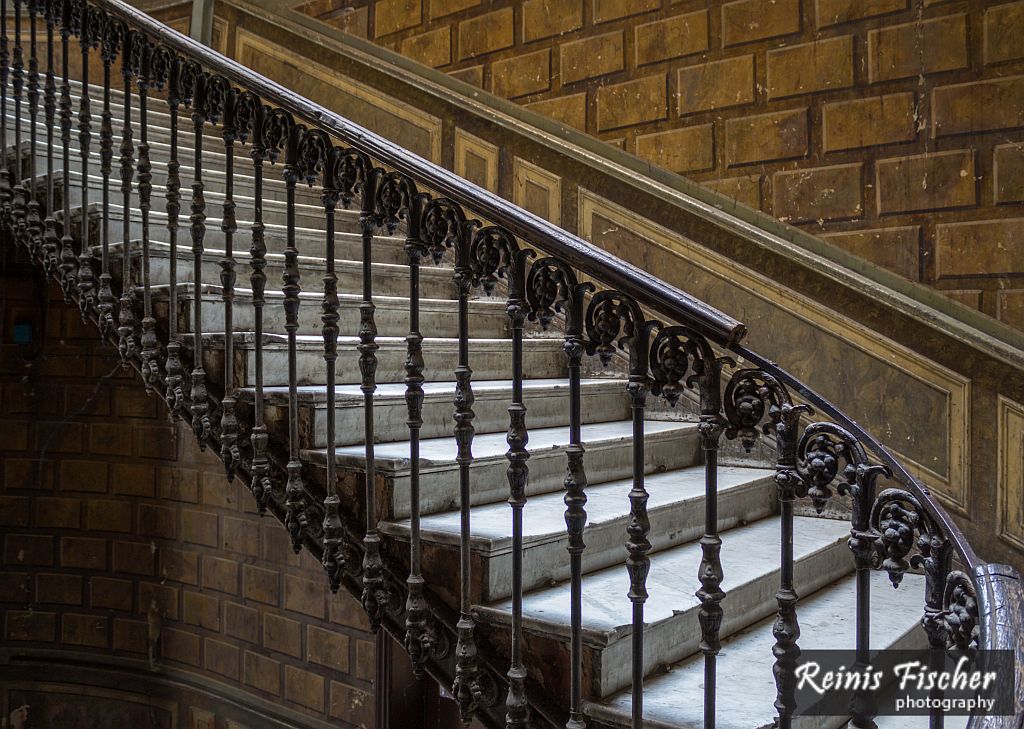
x=51, y=241
x=68, y=263
x=109, y=47
x=126, y=316
x=229, y=452
x=613, y=318
x=466, y=688
x=150, y=346
x=418, y=637
x=174, y=372
x=34, y=222
x=269, y=129
x=552, y=286
x=6, y=190
x=333, y=557
x=19, y=203
x=517, y=709
x=200, y=399
x=86, y=277
x=374, y=597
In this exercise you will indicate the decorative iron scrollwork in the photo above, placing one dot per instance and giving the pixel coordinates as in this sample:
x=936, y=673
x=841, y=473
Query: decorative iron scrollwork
x=442, y=224
x=492, y=254
x=897, y=517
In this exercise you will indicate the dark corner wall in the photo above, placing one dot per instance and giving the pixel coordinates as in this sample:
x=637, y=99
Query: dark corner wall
x=138, y=588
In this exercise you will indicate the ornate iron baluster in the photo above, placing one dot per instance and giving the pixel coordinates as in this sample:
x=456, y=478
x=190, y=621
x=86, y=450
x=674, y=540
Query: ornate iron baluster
x=467, y=688
x=68, y=263
x=822, y=448
x=374, y=597
x=51, y=241
x=270, y=130
x=126, y=316
x=222, y=97
x=194, y=80
x=333, y=557
x=112, y=35
x=610, y=315
x=150, y=346
x=174, y=371
x=304, y=157
x=34, y=222
x=552, y=287
x=426, y=222
x=19, y=203
x=681, y=358
x=86, y=277
x=750, y=397
x=6, y=181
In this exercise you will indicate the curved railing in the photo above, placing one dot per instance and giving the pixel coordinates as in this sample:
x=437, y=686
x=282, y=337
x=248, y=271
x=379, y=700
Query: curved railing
x=897, y=528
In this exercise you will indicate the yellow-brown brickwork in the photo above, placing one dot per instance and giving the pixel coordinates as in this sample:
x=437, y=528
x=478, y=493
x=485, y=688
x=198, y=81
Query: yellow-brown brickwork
x=893, y=128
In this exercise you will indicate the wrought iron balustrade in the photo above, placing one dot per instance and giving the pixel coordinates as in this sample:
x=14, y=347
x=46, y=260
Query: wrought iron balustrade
x=607, y=307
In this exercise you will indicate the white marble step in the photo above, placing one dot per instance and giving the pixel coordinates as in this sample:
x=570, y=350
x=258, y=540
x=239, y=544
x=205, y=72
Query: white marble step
x=488, y=358
x=676, y=510
x=669, y=446
x=309, y=241
x=389, y=279
x=437, y=316
x=546, y=402
x=746, y=686
x=750, y=564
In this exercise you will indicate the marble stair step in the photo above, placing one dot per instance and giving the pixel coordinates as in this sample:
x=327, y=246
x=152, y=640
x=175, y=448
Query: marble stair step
x=309, y=241
x=488, y=357
x=437, y=316
x=676, y=510
x=546, y=402
x=389, y=279
x=670, y=445
x=750, y=564
x=746, y=686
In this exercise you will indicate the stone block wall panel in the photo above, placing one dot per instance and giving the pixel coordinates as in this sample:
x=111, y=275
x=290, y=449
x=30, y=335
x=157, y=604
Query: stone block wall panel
x=739, y=94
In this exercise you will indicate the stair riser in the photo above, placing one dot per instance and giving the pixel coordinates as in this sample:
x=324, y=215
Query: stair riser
x=440, y=489
x=491, y=409
x=435, y=283
x=392, y=317
x=488, y=364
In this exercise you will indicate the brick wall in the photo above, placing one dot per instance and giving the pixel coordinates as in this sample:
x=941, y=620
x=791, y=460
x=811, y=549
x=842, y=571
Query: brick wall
x=891, y=127
x=117, y=530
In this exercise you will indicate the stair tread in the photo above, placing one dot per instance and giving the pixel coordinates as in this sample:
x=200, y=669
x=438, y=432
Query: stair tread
x=606, y=502
x=353, y=395
x=440, y=452
x=672, y=582
x=746, y=684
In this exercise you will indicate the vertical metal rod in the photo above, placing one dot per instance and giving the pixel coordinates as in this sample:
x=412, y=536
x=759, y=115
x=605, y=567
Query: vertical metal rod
x=6, y=193
x=575, y=500
x=20, y=201
x=517, y=709
x=417, y=637
x=467, y=685
x=51, y=241
x=296, y=517
x=260, y=485
x=229, y=452
x=638, y=563
x=86, y=277
x=333, y=559
x=68, y=264
x=34, y=222
x=148, y=340
x=105, y=295
x=373, y=597
x=174, y=373
x=200, y=405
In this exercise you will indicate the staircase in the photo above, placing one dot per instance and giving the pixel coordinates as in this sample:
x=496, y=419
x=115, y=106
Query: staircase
x=417, y=521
